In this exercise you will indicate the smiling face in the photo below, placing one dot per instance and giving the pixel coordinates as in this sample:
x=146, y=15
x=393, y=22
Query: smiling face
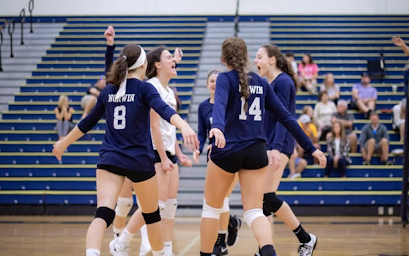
x=167, y=65
x=262, y=62
x=211, y=84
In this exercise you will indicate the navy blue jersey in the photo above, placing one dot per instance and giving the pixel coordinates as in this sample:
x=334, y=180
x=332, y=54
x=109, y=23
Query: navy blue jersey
x=241, y=129
x=127, y=141
x=277, y=136
x=205, y=122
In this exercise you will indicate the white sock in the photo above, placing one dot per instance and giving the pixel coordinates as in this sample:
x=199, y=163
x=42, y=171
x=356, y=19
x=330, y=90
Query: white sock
x=168, y=247
x=144, y=234
x=117, y=231
x=222, y=232
x=125, y=238
x=92, y=252
x=158, y=253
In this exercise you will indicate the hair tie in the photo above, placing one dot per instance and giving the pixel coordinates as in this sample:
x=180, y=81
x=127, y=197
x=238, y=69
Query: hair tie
x=124, y=57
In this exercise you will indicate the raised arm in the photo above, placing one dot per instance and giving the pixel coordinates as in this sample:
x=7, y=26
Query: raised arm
x=400, y=43
x=109, y=52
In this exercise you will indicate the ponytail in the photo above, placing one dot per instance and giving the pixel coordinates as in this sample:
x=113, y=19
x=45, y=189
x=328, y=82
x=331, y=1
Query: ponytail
x=117, y=72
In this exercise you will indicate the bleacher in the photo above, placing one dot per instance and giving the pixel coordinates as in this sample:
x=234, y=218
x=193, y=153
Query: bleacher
x=30, y=174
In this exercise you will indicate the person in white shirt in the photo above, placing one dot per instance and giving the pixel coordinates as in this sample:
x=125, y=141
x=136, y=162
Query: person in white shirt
x=399, y=111
x=323, y=112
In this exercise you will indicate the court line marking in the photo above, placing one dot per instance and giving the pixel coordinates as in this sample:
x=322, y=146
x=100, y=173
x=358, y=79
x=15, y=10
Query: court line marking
x=189, y=246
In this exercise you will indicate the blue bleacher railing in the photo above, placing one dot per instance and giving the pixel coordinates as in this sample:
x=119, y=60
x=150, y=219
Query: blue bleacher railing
x=30, y=9
x=22, y=20
x=11, y=28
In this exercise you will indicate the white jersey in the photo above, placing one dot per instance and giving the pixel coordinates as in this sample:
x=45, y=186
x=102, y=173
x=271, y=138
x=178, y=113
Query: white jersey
x=168, y=131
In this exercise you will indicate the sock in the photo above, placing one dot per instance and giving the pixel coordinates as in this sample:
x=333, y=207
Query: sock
x=144, y=234
x=205, y=254
x=168, y=247
x=92, y=252
x=125, y=238
x=117, y=231
x=302, y=236
x=268, y=250
x=159, y=253
x=221, y=240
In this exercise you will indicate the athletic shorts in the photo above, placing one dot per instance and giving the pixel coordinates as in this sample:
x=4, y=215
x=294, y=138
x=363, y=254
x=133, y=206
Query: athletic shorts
x=171, y=158
x=253, y=157
x=133, y=175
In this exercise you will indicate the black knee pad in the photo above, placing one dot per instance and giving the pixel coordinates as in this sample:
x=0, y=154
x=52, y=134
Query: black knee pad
x=271, y=203
x=106, y=214
x=151, y=218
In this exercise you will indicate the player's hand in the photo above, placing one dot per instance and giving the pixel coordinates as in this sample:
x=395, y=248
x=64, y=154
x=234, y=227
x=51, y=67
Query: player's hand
x=178, y=54
x=196, y=155
x=110, y=35
x=274, y=157
x=185, y=160
x=398, y=41
x=190, y=138
x=167, y=165
x=59, y=149
x=321, y=157
x=219, y=140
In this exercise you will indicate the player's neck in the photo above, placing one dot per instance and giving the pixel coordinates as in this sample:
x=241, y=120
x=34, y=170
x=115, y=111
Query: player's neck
x=211, y=100
x=138, y=74
x=163, y=79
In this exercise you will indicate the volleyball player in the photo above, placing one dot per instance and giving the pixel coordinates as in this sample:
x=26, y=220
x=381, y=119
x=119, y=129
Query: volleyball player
x=161, y=69
x=271, y=63
x=123, y=154
x=227, y=222
x=240, y=146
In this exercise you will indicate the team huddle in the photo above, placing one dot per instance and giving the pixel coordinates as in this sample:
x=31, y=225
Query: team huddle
x=251, y=126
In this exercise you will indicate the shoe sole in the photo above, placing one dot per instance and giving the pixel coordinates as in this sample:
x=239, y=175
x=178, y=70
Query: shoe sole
x=315, y=245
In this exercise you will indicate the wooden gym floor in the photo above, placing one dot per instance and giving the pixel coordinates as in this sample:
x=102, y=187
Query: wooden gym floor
x=337, y=236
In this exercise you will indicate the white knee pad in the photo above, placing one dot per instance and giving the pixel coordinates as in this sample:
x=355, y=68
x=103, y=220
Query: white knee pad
x=162, y=206
x=210, y=212
x=226, y=206
x=250, y=215
x=123, y=206
x=170, y=209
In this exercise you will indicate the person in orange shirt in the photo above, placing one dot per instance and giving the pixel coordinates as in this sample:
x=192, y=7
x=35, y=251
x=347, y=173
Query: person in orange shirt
x=310, y=130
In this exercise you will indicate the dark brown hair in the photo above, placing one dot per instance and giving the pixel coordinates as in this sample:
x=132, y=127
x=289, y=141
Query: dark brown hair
x=234, y=53
x=341, y=132
x=322, y=94
x=128, y=56
x=310, y=59
x=152, y=57
x=281, y=62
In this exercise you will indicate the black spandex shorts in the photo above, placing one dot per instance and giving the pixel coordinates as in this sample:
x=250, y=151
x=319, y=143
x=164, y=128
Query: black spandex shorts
x=133, y=175
x=251, y=158
x=171, y=158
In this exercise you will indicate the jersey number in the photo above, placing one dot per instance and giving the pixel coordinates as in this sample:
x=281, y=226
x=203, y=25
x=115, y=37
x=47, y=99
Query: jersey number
x=119, y=117
x=254, y=109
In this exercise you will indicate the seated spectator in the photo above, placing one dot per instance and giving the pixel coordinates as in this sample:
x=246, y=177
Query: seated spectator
x=310, y=130
x=90, y=98
x=291, y=58
x=63, y=113
x=331, y=88
x=374, y=139
x=296, y=165
x=338, y=150
x=399, y=112
x=347, y=121
x=308, y=73
x=323, y=112
x=364, y=96
x=308, y=110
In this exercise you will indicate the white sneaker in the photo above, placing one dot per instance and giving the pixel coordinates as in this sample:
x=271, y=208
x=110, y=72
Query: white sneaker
x=144, y=249
x=307, y=249
x=116, y=249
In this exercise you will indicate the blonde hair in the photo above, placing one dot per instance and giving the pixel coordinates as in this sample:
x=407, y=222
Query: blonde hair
x=61, y=100
x=326, y=80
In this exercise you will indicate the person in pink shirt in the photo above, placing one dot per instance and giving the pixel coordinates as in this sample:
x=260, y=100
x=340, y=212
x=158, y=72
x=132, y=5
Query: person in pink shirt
x=308, y=72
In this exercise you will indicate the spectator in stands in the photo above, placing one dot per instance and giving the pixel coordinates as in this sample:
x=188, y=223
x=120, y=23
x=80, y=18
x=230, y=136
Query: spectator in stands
x=323, y=112
x=374, y=139
x=347, y=121
x=400, y=43
x=331, y=88
x=364, y=96
x=308, y=73
x=338, y=150
x=90, y=98
x=399, y=111
x=63, y=113
x=291, y=58
x=310, y=130
x=296, y=165
x=308, y=110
